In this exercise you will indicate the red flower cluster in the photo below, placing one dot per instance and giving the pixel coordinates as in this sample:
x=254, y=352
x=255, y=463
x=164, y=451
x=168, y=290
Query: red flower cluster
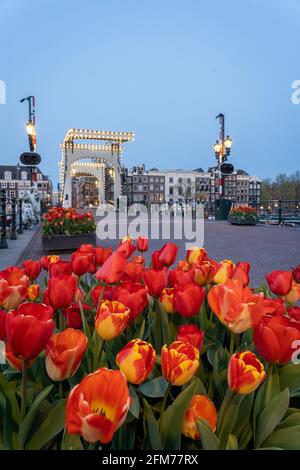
x=59, y=220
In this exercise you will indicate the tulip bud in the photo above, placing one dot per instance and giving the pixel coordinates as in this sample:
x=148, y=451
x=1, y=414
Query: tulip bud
x=33, y=292
x=167, y=300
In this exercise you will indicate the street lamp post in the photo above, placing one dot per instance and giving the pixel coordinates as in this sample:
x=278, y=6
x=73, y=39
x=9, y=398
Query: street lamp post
x=222, y=149
x=30, y=127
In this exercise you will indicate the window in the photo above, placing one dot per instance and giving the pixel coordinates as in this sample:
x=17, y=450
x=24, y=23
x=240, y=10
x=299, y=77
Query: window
x=161, y=187
x=7, y=175
x=135, y=179
x=3, y=185
x=171, y=179
x=161, y=180
x=11, y=185
x=151, y=179
x=24, y=175
x=12, y=193
x=179, y=180
x=135, y=188
x=171, y=190
x=189, y=180
x=151, y=187
x=145, y=188
x=156, y=180
x=39, y=176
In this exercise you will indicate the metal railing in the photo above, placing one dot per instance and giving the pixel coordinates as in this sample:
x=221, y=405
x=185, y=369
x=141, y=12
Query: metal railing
x=279, y=212
x=11, y=221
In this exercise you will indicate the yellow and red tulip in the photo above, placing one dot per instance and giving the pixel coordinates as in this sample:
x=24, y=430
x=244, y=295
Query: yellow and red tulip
x=111, y=319
x=13, y=287
x=167, y=300
x=179, y=362
x=136, y=360
x=245, y=372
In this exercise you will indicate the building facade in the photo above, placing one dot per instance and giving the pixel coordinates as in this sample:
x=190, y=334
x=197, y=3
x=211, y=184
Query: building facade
x=16, y=179
x=188, y=186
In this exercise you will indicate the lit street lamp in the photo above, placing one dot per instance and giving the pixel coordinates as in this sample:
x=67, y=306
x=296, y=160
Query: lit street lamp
x=222, y=149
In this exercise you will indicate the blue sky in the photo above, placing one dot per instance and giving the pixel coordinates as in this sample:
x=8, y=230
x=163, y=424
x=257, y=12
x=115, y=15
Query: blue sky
x=161, y=68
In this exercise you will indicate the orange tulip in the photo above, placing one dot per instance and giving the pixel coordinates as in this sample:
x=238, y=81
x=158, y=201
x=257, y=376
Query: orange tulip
x=167, y=300
x=98, y=406
x=111, y=319
x=201, y=407
x=136, y=360
x=179, y=362
x=33, y=292
x=64, y=353
x=237, y=307
x=13, y=287
x=245, y=372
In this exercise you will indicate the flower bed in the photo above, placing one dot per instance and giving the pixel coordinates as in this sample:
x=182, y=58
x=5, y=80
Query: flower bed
x=243, y=215
x=116, y=355
x=66, y=229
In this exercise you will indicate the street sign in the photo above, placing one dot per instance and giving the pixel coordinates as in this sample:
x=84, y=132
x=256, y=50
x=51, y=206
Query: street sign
x=30, y=158
x=226, y=168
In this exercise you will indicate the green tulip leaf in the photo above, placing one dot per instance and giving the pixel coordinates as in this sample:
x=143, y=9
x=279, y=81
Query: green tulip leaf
x=51, y=426
x=28, y=420
x=232, y=443
x=289, y=376
x=154, y=388
x=270, y=416
x=172, y=419
x=287, y=439
x=151, y=427
x=208, y=438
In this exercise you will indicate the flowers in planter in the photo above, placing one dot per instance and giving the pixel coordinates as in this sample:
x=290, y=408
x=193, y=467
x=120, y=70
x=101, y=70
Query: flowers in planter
x=59, y=220
x=243, y=213
x=110, y=350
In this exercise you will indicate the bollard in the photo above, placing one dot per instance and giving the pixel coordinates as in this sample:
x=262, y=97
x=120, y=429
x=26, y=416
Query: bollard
x=3, y=241
x=20, y=228
x=13, y=235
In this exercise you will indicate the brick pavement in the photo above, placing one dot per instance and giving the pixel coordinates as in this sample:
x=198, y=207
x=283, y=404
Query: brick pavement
x=265, y=247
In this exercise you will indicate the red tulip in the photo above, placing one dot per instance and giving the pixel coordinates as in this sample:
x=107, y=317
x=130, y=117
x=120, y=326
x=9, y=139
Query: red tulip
x=138, y=259
x=133, y=272
x=73, y=315
x=191, y=334
x=64, y=353
x=181, y=275
x=127, y=247
x=280, y=282
x=142, y=244
x=188, y=299
x=98, y=406
x=29, y=329
x=294, y=313
x=32, y=268
x=167, y=254
x=156, y=264
x=14, y=362
x=113, y=269
x=60, y=267
x=241, y=272
x=46, y=261
x=62, y=290
x=155, y=281
x=102, y=254
x=296, y=274
x=134, y=296
x=81, y=262
x=111, y=319
x=13, y=287
x=96, y=293
x=2, y=325
x=274, y=337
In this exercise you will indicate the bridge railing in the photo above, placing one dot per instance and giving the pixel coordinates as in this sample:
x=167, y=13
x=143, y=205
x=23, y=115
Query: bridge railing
x=279, y=212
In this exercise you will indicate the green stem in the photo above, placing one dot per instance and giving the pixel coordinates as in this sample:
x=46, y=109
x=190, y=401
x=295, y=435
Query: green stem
x=164, y=402
x=24, y=389
x=231, y=347
x=101, y=297
x=82, y=317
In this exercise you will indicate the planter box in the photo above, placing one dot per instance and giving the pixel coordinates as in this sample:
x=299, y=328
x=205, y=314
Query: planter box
x=241, y=221
x=65, y=243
